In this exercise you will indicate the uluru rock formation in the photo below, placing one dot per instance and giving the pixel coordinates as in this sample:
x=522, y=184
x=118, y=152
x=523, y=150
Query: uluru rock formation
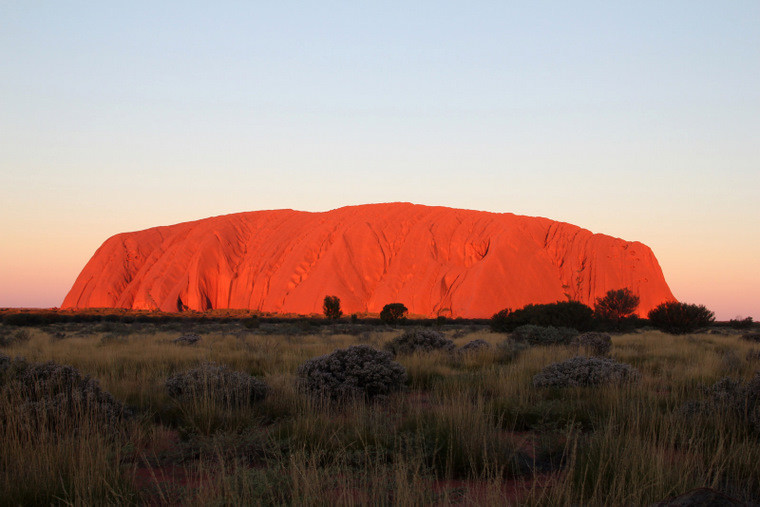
x=435, y=260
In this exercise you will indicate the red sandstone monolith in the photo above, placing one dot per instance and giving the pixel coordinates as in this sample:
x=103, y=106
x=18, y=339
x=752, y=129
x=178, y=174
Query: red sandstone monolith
x=435, y=260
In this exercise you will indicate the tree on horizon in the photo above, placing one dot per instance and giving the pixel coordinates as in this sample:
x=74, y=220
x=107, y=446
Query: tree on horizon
x=331, y=307
x=616, y=306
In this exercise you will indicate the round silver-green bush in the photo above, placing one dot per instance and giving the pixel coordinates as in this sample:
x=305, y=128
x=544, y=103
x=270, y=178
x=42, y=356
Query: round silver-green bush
x=58, y=393
x=585, y=371
x=419, y=340
x=359, y=371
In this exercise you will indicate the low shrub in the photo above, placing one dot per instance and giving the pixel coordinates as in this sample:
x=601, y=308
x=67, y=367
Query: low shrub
x=218, y=383
x=751, y=337
x=187, y=339
x=419, y=340
x=753, y=355
x=57, y=335
x=474, y=346
x=509, y=349
x=738, y=323
x=680, y=318
x=10, y=337
x=571, y=314
x=359, y=371
x=5, y=364
x=251, y=322
x=585, y=371
x=595, y=344
x=57, y=394
x=729, y=397
x=31, y=319
x=540, y=335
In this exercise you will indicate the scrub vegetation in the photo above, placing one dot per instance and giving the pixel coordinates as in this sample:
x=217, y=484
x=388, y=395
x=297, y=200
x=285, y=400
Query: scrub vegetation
x=282, y=413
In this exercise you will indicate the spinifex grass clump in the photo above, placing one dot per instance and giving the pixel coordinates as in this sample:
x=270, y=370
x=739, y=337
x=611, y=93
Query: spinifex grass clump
x=216, y=383
x=57, y=395
x=585, y=371
x=419, y=340
x=594, y=344
x=540, y=335
x=475, y=346
x=5, y=362
x=9, y=336
x=356, y=372
x=730, y=397
x=457, y=441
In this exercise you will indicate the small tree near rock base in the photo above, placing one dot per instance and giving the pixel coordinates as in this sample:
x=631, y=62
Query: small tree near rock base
x=393, y=313
x=616, y=305
x=331, y=307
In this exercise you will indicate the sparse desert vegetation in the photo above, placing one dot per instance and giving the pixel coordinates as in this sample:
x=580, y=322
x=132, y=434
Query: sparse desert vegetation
x=114, y=412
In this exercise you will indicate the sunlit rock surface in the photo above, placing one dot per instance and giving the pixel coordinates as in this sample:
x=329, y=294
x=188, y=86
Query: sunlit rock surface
x=435, y=260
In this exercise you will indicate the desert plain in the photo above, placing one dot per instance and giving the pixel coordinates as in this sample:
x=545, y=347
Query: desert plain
x=465, y=427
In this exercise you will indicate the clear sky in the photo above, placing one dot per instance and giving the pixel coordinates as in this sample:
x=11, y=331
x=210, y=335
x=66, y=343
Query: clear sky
x=636, y=119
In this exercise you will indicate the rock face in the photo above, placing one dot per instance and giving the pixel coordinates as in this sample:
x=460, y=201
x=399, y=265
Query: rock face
x=435, y=260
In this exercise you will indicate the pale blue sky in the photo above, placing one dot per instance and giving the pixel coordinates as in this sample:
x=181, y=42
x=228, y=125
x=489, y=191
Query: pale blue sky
x=638, y=119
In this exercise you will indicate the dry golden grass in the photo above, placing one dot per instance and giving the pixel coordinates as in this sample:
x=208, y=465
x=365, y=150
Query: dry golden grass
x=469, y=429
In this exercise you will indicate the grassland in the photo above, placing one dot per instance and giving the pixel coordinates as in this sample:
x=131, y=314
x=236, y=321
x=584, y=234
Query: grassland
x=466, y=430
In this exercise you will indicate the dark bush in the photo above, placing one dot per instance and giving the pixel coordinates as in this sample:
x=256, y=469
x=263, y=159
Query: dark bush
x=595, y=344
x=419, y=340
x=10, y=336
x=616, y=306
x=251, y=322
x=741, y=323
x=540, y=335
x=217, y=383
x=331, y=307
x=585, y=371
x=393, y=313
x=751, y=337
x=30, y=319
x=501, y=322
x=358, y=371
x=680, y=318
x=570, y=314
